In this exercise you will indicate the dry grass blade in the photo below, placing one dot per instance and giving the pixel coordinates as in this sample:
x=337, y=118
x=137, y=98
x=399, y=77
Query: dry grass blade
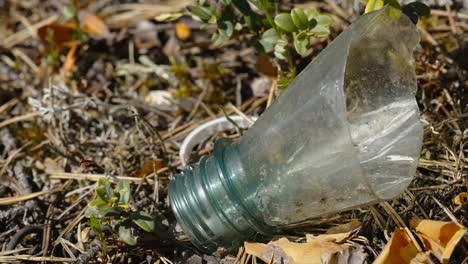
x=19, y=119
x=10, y=259
x=20, y=198
x=24, y=34
x=125, y=15
x=90, y=177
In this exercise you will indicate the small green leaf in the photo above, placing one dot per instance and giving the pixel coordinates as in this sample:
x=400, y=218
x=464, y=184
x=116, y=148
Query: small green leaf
x=285, y=22
x=301, y=43
x=311, y=13
x=324, y=20
x=123, y=188
x=144, y=220
x=269, y=39
x=299, y=18
x=104, y=184
x=373, y=5
x=113, y=212
x=394, y=13
x=126, y=236
x=200, y=12
x=102, y=194
x=280, y=50
x=320, y=31
x=95, y=224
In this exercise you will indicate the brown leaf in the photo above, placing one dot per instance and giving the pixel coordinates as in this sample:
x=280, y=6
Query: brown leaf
x=94, y=25
x=400, y=249
x=148, y=168
x=182, y=31
x=284, y=251
x=439, y=237
x=266, y=67
x=59, y=34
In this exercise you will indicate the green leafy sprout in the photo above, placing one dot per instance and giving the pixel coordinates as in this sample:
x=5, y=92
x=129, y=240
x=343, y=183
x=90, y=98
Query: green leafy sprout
x=281, y=35
x=273, y=34
x=110, y=207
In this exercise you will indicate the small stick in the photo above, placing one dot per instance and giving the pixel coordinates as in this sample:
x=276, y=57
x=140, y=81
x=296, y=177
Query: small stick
x=8, y=105
x=88, y=176
x=453, y=27
x=24, y=34
x=444, y=14
x=240, y=113
x=20, y=198
x=26, y=59
x=271, y=93
x=19, y=119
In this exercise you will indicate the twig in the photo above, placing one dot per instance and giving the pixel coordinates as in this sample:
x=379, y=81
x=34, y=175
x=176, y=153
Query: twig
x=19, y=119
x=10, y=259
x=88, y=176
x=272, y=92
x=20, y=198
x=26, y=59
x=8, y=105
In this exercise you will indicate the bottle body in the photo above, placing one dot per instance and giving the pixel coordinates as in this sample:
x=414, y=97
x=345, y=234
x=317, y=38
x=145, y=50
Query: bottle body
x=345, y=133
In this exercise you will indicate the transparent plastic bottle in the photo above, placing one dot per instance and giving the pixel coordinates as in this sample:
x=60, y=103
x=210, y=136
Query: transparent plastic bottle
x=346, y=133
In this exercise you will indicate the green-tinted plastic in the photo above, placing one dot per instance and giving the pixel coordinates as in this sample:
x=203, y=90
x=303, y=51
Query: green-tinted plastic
x=346, y=133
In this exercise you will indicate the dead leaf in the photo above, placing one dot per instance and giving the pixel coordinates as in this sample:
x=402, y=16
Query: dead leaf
x=85, y=233
x=400, y=249
x=337, y=238
x=439, y=237
x=352, y=255
x=70, y=60
x=284, y=251
x=148, y=168
x=266, y=67
x=182, y=31
x=461, y=199
x=56, y=34
x=94, y=25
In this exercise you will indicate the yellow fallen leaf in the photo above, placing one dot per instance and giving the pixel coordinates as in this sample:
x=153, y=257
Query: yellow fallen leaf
x=284, y=251
x=439, y=237
x=94, y=25
x=182, y=31
x=399, y=250
x=461, y=199
x=70, y=60
x=337, y=238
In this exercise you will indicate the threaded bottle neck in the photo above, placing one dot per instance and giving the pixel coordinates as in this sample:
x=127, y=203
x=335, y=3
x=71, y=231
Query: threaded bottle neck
x=207, y=205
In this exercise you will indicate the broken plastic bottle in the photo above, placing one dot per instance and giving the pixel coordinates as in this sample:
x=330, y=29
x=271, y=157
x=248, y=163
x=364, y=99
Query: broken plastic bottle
x=345, y=133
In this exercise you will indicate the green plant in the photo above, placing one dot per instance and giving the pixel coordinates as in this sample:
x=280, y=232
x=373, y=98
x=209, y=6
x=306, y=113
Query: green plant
x=274, y=33
x=110, y=207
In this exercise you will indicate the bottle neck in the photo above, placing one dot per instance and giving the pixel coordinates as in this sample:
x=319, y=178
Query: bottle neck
x=207, y=205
